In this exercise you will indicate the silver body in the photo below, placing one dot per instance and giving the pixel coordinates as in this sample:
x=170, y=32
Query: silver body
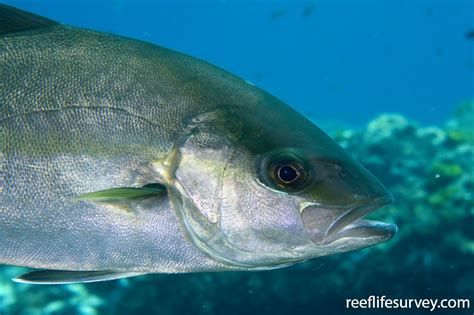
x=82, y=111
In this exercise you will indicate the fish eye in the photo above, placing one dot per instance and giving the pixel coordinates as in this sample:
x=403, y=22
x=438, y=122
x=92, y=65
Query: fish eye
x=287, y=172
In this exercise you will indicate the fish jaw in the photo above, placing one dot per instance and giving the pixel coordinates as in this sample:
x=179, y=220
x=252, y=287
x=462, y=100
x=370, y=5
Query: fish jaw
x=350, y=225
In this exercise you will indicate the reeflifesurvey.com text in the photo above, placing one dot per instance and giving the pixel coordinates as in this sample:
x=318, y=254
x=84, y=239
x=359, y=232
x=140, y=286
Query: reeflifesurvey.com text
x=383, y=302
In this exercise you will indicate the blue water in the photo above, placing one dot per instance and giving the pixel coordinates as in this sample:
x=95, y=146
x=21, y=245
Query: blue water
x=338, y=60
x=342, y=63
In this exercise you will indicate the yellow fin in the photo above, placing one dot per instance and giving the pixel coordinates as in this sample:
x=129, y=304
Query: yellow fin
x=123, y=197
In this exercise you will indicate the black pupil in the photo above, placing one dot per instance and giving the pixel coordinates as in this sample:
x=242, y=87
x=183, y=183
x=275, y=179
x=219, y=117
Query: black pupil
x=288, y=173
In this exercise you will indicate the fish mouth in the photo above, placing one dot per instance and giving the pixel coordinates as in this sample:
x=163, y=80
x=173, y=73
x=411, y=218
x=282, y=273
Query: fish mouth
x=349, y=224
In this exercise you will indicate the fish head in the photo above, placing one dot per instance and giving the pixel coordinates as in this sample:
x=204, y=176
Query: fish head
x=265, y=188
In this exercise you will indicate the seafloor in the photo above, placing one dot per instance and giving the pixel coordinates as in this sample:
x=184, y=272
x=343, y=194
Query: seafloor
x=429, y=169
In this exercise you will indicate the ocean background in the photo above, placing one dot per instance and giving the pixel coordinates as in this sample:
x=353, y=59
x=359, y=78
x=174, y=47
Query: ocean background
x=334, y=60
x=391, y=80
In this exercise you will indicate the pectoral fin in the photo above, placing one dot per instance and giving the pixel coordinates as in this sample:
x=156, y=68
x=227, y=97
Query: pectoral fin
x=65, y=277
x=117, y=195
x=124, y=197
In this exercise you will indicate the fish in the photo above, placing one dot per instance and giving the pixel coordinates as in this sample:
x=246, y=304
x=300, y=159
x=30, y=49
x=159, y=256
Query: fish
x=308, y=10
x=122, y=158
x=470, y=34
x=278, y=14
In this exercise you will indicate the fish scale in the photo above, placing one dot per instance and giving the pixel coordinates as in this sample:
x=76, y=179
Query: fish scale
x=64, y=134
x=120, y=158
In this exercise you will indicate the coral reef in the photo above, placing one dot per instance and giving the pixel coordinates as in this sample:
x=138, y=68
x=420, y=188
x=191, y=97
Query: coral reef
x=430, y=173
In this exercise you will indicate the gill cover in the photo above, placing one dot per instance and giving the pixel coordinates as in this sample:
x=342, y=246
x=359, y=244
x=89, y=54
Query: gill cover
x=225, y=212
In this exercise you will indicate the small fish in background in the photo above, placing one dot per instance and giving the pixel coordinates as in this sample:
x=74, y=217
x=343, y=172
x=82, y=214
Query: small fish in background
x=470, y=34
x=122, y=158
x=278, y=14
x=308, y=10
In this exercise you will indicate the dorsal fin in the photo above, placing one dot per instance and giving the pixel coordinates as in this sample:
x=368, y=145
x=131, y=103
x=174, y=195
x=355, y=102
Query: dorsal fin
x=15, y=20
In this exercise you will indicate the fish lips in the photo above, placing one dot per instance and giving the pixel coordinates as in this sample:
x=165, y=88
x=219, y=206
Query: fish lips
x=325, y=225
